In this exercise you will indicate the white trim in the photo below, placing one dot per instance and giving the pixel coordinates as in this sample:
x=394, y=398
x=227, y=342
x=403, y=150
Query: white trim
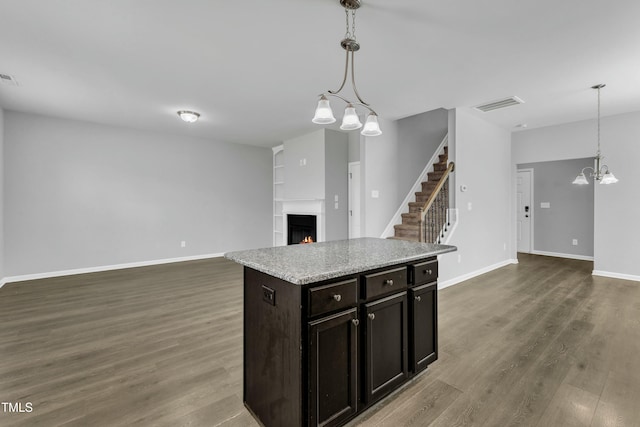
x=561, y=255
x=353, y=233
x=404, y=206
x=464, y=277
x=59, y=273
x=3, y=281
x=615, y=275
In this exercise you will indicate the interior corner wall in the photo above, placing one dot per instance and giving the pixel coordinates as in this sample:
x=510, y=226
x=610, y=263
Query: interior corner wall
x=80, y=195
x=336, y=185
x=483, y=232
x=2, y=275
x=616, y=238
x=418, y=138
x=379, y=172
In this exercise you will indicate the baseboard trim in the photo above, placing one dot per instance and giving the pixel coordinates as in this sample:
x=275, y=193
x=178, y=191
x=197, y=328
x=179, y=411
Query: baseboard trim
x=561, y=255
x=465, y=277
x=24, y=277
x=616, y=275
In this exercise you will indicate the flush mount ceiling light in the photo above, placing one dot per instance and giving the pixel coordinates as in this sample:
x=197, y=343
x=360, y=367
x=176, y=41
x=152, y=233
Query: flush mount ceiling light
x=350, y=120
x=189, y=116
x=600, y=173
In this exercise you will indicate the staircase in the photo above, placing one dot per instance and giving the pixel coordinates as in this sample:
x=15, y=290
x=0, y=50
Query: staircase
x=410, y=227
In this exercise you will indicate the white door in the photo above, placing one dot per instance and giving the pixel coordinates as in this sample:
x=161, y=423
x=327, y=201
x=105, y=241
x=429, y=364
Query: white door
x=524, y=221
x=354, y=200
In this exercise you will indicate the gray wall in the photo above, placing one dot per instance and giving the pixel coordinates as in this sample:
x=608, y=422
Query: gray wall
x=418, y=138
x=305, y=181
x=82, y=195
x=483, y=234
x=571, y=213
x=354, y=146
x=1, y=195
x=617, y=208
x=379, y=172
x=336, y=184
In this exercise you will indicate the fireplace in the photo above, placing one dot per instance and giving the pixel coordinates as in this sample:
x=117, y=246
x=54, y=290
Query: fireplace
x=301, y=228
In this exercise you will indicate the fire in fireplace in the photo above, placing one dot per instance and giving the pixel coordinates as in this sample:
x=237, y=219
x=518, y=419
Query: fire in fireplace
x=301, y=229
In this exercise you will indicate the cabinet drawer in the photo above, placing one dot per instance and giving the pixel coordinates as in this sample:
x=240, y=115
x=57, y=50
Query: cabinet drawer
x=385, y=282
x=333, y=296
x=425, y=272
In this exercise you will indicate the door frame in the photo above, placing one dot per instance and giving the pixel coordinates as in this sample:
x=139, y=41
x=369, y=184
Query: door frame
x=532, y=216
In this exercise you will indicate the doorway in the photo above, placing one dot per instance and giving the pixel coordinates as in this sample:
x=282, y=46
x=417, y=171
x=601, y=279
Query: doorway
x=524, y=215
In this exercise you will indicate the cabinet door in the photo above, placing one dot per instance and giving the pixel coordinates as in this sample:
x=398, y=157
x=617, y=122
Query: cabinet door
x=333, y=368
x=386, y=345
x=423, y=326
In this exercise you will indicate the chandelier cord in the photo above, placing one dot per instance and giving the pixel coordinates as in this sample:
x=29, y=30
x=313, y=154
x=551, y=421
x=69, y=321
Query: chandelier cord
x=598, y=121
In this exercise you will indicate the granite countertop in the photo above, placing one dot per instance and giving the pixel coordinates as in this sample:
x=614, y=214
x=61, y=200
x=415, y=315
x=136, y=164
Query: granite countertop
x=315, y=262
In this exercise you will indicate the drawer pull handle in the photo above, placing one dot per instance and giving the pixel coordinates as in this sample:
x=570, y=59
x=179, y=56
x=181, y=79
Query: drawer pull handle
x=355, y=322
x=337, y=297
x=388, y=282
x=429, y=272
x=372, y=316
x=418, y=298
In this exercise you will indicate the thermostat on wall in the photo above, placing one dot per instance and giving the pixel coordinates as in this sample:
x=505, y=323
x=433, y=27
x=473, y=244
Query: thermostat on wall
x=463, y=188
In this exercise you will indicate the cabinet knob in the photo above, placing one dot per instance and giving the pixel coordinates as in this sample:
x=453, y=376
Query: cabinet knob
x=418, y=298
x=388, y=282
x=355, y=322
x=427, y=272
x=372, y=316
x=337, y=297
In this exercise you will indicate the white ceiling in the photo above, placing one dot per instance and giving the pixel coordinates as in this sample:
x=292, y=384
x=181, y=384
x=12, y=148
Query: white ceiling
x=253, y=69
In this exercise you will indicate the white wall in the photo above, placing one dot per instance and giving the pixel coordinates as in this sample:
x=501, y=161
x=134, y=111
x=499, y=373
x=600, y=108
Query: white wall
x=82, y=195
x=2, y=275
x=617, y=207
x=305, y=181
x=379, y=170
x=483, y=164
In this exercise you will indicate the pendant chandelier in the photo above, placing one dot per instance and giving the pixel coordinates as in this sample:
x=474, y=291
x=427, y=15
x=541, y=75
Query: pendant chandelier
x=600, y=173
x=350, y=120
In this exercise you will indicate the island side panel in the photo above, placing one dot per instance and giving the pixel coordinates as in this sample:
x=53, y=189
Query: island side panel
x=272, y=350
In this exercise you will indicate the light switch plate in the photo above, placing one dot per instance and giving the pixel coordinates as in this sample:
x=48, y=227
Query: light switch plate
x=375, y=194
x=545, y=205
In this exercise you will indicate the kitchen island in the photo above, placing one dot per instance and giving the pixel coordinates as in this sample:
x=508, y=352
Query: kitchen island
x=330, y=328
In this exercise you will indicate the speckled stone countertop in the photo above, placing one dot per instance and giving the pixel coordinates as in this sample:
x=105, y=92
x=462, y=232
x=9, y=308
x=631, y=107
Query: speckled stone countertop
x=315, y=262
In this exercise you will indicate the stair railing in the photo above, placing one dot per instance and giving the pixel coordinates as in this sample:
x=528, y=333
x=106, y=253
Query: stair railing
x=434, y=215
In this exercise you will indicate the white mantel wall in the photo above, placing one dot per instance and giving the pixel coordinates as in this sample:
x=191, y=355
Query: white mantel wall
x=617, y=207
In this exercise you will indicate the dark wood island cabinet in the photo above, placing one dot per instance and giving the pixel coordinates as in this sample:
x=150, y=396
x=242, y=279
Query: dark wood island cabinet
x=331, y=328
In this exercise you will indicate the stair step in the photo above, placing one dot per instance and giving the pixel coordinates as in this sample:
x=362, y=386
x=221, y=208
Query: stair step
x=440, y=167
x=409, y=239
x=435, y=176
x=411, y=218
x=443, y=157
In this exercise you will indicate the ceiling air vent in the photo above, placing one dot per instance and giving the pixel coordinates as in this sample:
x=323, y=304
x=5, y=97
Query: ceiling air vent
x=500, y=103
x=8, y=80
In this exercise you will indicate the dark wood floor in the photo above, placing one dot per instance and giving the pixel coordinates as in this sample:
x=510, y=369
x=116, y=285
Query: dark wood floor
x=541, y=343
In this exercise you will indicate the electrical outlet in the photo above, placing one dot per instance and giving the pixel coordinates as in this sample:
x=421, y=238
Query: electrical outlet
x=335, y=205
x=268, y=295
x=469, y=206
x=183, y=244
x=575, y=242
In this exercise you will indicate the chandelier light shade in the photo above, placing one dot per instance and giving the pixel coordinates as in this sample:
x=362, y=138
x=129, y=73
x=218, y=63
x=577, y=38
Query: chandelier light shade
x=599, y=173
x=371, y=126
x=324, y=114
x=189, y=116
x=350, y=120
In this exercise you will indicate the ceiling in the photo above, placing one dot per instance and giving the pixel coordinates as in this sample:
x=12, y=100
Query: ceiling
x=253, y=69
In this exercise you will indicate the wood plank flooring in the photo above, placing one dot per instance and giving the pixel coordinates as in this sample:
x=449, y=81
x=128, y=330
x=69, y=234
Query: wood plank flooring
x=541, y=343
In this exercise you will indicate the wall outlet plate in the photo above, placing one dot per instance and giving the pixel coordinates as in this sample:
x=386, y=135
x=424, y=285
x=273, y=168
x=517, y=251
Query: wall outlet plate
x=268, y=295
